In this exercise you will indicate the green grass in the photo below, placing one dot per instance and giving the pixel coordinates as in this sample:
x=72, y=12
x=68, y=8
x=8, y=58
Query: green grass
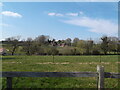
x=61, y=64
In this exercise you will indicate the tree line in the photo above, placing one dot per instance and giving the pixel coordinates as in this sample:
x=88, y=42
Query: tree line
x=43, y=45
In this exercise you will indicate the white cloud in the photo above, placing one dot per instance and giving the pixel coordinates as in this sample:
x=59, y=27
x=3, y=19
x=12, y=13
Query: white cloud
x=59, y=14
x=1, y=4
x=12, y=14
x=72, y=14
x=51, y=14
x=95, y=25
x=55, y=14
x=65, y=14
x=81, y=13
x=75, y=14
x=4, y=25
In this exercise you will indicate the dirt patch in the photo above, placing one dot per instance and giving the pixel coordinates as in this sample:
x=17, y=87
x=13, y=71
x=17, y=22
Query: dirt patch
x=118, y=62
x=95, y=63
x=12, y=62
x=75, y=63
x=54, y=63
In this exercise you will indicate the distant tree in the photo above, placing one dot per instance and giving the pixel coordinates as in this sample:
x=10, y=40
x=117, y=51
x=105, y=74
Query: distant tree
x=54, y=42
x=104, y=44
x=68, y=51
x=35, y=48
x=89, y=46
x=14, y=43
x=49, y=42
x=85, y=46
x=96, y=49
x=59, y=42
x=41, y=50
x=75, y=41
x=27, y=46
x=81, y=45
x=52, y=50
x=75, y=51
x=118, y=47
x=113, y=44
x=68, y=41
x=42, y=39
x=42, y=45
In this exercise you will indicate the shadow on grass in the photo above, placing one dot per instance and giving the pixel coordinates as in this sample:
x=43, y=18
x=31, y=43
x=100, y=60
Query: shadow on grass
x=7, y=58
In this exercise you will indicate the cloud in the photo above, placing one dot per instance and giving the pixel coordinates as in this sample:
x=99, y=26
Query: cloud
x=55, y=14
x=102, y=26
x=95, y=25
x=59, y=14
x=72, y=14
x=1, y=4
x=12, y=14
x=51, y=14
x=75, y=14
x=81, y=13
x=4, y=25
x=66, y=14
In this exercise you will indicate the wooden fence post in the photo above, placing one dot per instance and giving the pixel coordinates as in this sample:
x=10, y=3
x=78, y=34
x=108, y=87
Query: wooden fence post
x=9, y=83
x=100, y=70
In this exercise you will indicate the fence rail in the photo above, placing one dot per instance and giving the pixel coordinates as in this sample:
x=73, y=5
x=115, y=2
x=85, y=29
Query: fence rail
x=49, y=74
x=100, y=74
x=58, y=74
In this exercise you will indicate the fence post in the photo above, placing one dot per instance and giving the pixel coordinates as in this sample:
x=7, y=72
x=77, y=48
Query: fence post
x=9, y=83
x=100, y=70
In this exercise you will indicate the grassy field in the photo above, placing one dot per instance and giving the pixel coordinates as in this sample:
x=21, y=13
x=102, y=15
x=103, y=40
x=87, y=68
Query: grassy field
x=59, y=64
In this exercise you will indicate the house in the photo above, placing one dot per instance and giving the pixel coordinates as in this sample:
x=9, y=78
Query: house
x=3, y=51
x=63, y=45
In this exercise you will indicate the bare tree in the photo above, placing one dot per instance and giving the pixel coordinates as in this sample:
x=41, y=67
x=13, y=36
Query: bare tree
x=27, y=47
x=14, y=42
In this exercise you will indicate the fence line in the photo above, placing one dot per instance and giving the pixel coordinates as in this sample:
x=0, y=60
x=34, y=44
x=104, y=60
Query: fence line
x=100, y=74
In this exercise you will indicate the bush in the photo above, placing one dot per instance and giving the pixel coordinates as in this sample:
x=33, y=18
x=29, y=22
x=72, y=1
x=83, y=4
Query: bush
x=96, y=52
x=51, y=51
x=68, y=51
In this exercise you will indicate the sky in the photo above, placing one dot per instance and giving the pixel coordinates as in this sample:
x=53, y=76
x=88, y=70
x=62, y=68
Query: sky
x=59, y=20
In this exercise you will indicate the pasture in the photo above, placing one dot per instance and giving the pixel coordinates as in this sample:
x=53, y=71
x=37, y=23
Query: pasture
x=60, y=64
